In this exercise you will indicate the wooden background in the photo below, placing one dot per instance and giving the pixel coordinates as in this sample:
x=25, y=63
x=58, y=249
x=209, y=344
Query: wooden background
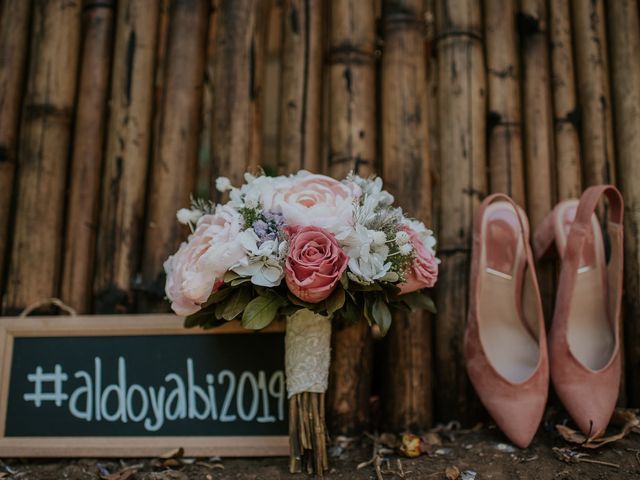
x=113, y=112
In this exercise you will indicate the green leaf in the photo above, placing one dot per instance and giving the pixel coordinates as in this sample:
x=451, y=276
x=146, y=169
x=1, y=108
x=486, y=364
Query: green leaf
x=261, y=311
x=381, y=315
x=236, y=303
x=239, y=281
x=230, y=275
x=296, y=301
x=199, y=318
x=344, y=280
x=418, y=301
x=218, y=296
x=335, y=300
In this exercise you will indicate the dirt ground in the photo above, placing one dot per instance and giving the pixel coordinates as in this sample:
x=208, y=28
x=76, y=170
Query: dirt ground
x=475, y=454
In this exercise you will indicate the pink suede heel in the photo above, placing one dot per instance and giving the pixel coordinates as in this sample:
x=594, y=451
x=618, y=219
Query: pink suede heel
x=505, y=342
x=584, y=341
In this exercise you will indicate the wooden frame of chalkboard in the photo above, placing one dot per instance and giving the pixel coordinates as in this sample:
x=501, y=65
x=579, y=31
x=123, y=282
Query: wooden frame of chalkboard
x=12, y=328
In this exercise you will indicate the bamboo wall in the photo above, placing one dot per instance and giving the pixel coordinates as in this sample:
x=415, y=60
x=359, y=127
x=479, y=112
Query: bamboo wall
x=113, y=112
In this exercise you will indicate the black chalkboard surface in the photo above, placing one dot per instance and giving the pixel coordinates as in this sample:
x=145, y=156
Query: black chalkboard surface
x=112, y=378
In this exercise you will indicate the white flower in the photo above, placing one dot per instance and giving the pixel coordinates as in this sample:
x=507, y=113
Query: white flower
x=223, y=184
x=402, y=238
x=263, y=262
x=188, y=215
x=406, y=249
x=251, y=201
x=367, y=259
x=426, y=235
x=379, y=238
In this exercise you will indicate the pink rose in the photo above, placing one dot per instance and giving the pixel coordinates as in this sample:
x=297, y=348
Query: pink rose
x=315, y=263
x=318, y=200
x=196, y=270
x=423, y=273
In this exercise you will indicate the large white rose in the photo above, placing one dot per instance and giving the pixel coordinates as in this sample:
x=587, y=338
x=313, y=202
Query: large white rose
x=200, y=263
x=317, y=200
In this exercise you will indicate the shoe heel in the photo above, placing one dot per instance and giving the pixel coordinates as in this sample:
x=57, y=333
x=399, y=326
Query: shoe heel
x=544, y=246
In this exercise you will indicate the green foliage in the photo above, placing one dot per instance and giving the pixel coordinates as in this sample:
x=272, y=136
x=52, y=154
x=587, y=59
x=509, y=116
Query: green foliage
x=351, y=301
x=261, y=311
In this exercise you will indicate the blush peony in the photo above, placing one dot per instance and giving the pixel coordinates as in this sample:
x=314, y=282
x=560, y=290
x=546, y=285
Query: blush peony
x=317, y=200
x=423, y=273
x=315, y=263
x=199, y=265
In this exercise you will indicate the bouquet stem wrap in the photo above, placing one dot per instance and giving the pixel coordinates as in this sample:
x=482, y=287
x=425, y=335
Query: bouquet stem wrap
x=307, y=357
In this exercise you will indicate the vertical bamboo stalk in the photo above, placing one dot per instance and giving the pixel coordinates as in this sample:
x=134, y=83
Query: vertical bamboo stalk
x=44, y=142
x=565, y=109
x=273, y=87
x=407, y=373
x=624, y=38
x=176, y=153
x=86, y=160
x=351, y=147
x=538, y=128
x=537, y=109
x=236, y=89
x=301, y=87
x=204, y=187
x=590, y=44
x=126, y=164
x=351, y=87
x=462, y=154
x=14, y=34
x=506, y=169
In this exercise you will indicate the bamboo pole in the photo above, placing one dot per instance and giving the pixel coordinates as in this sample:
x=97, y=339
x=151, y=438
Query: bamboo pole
x=624, y=38
x=590, y=45
x=351, y=147
x=125, y=173
x=462, y=157
x=44, y=142
x=86, y=160
x=273, y=87
x=407, y=372
x=14, y=31
x=301, y=87
x=351, y=87
x=237, y=125
x=538, y=128
x=176, y=153
x=204, y=186
x=537, y=110
x=565, y=109
x=506, y=169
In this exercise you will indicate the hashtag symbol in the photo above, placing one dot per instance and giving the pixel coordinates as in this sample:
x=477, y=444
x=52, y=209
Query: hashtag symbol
x=58, y=377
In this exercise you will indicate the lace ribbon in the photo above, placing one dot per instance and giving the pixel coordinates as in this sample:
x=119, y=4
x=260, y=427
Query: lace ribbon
x=307, y=352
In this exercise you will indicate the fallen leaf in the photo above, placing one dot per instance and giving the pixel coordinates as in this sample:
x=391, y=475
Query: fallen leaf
x=175, y=453
x=411, y=445
x=430, y=442
x=125, y=474
x=574, y=436
x=452, y=473
x=389, y=440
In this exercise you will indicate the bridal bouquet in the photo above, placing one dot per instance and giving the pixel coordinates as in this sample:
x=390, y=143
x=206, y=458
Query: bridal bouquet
x=309, y=248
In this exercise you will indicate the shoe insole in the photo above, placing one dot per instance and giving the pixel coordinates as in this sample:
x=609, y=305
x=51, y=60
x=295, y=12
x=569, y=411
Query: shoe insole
x=589, y=330
x=508, y=344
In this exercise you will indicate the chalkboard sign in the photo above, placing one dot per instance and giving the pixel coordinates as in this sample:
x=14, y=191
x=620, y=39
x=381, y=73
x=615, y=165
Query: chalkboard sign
x=139, y=386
